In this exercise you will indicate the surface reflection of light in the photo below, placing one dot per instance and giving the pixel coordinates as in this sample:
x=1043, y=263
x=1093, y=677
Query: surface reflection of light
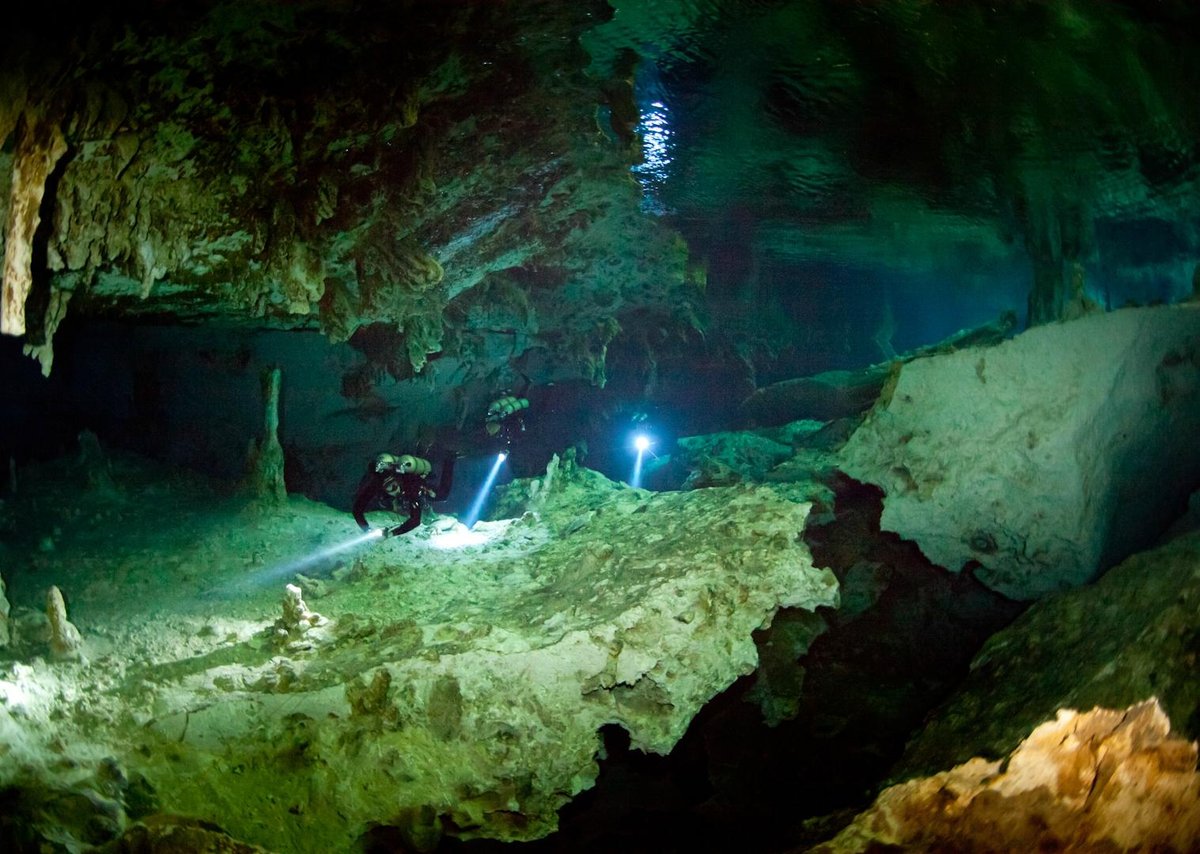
x=656, y=141
x=477, y=507
x=657, y=148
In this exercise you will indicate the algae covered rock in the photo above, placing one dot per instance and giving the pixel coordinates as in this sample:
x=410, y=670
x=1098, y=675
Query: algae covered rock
x=464, y=677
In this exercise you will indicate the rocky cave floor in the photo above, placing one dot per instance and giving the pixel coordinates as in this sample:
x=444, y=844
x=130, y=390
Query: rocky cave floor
x=785, y=757
x=170, y=573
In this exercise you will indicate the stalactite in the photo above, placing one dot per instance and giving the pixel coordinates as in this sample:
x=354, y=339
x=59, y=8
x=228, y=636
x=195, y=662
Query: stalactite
x=40, y=145
x=56, y=312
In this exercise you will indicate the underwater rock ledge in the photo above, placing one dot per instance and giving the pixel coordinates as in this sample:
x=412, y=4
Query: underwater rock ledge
x=452, y=690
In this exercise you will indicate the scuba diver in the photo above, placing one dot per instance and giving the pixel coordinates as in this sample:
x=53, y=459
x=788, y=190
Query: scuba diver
x=398, y=484
x=505, y=419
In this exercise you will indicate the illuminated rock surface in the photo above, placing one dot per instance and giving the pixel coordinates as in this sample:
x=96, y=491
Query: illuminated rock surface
x=1097, y=781
x=1047, y=457
x=462, y=676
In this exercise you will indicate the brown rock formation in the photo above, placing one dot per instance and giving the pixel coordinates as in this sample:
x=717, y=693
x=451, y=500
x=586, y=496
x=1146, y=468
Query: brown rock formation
x=1098, y=781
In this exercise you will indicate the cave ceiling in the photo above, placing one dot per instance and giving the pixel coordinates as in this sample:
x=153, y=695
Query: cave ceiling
x=517, y=184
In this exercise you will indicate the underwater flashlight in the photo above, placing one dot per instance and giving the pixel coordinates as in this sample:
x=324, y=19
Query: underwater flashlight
x=642, y=443
x=477, y=507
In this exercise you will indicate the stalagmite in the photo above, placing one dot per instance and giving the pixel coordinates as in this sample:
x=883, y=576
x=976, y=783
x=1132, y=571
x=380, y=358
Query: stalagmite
x=267, y=459
x=40, y=144
x=65, y=640
x=296, y=619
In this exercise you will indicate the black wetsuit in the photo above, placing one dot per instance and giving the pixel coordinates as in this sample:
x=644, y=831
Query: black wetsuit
x=402, y=493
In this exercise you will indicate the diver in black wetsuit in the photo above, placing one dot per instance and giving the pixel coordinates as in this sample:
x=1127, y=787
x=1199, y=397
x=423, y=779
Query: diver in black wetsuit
x=398, y=484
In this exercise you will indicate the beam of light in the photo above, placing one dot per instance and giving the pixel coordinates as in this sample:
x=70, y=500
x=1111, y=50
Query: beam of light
x=477, y=507
x=286, y=570
x=641, y=442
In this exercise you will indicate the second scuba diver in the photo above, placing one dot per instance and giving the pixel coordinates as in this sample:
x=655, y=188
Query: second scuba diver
x=398, y=483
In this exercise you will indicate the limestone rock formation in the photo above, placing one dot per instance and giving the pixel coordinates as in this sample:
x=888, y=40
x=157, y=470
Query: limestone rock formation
x=65, y=640
x=465, y=681
x=1046, y=458
x=40, y=144
x=296, y=618
x=266, y=459
x=1095, y=781
x=442, y=179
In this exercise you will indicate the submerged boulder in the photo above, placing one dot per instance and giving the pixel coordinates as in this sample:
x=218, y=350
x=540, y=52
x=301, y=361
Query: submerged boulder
x=1046, y=458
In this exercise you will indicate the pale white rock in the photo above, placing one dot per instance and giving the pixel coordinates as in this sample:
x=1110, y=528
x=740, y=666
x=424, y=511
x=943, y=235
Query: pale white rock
x=1045, y=458
x=65, y=640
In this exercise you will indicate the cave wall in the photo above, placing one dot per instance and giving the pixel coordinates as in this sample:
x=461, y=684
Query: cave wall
x=437, y=168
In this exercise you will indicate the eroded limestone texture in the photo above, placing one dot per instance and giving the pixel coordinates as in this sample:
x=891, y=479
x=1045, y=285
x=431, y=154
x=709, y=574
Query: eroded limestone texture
x=1097, y=781
x=442, y=177
x=40, y=144
x=1046, y=458
x=461, y=684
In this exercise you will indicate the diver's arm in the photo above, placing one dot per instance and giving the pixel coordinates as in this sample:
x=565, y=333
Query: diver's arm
x=368, y=490
x=414, y=519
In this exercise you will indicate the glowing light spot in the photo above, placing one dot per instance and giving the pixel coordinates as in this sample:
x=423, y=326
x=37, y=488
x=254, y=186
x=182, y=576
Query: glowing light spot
x=458, y=536
x=13, y=695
